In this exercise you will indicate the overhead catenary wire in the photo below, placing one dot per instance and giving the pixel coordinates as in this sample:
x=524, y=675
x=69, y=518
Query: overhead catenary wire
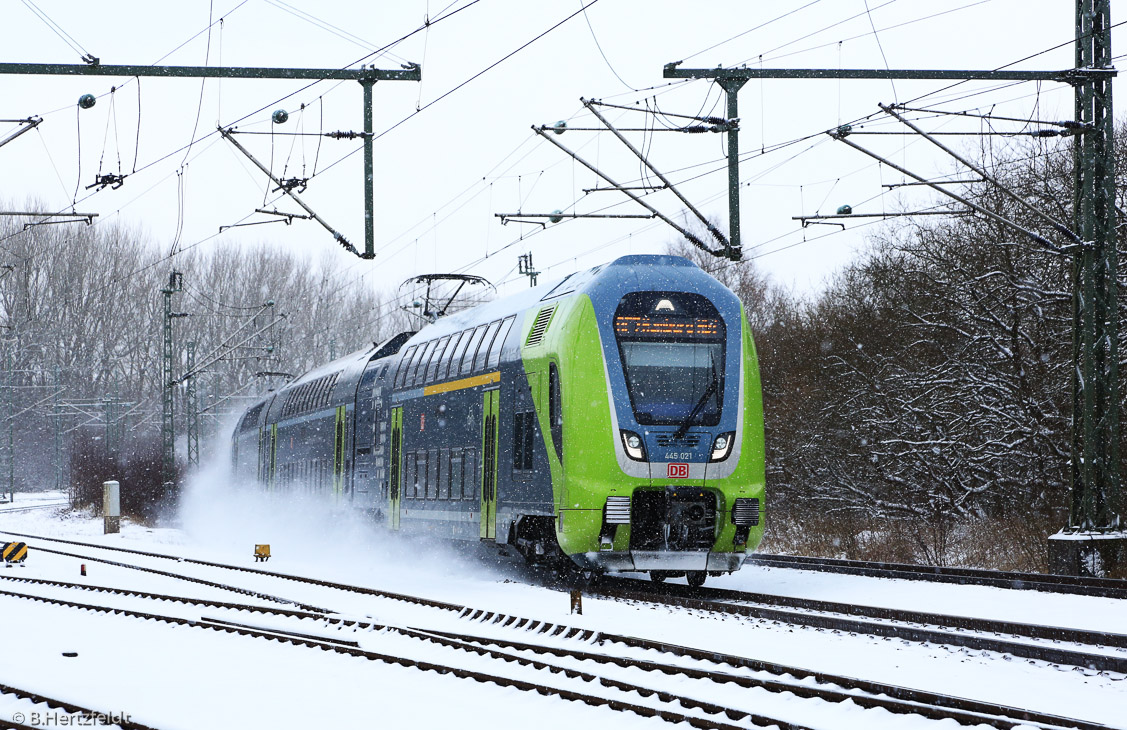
x=603, y=53
x=61, y=33
x=742, y=156
x=880, y=46
x=329, y=27
x=1004, y=86
x=1031, y=56
x=751, y=30
x=472, y=78
x=194, y=140
x=895, y=26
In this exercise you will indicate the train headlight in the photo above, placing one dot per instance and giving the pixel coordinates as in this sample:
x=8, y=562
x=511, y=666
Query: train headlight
x=634, y=446
x=722, y=446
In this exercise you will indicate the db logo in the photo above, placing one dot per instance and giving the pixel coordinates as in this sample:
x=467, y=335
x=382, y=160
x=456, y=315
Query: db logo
x=677, y=471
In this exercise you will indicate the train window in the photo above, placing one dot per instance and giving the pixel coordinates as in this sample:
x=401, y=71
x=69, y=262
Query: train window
x=469, y=473
x=416, y=377
x=672, y=350
x=471, y=350
x=407, y=378
x=439, y=351
x=555, y=409
x=456, y=360
x=420, y=475
x=444, y=474
x=455, y=474
x=433, y=472
x=404, y=363
x=483, y=351
x=499, y=342
x=523, y=427
x=250, y=420
x=444, y=365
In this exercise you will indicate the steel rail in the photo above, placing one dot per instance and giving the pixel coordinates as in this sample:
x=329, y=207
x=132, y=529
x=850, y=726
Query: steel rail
x=1080, y=585
x=69, y=707
x=186, y=600
x=1039, y=652
x=342, y=647
x=904, y=695
x=180, y=576
x=725, y=596
x=244, y=569
x=895, y=699
x=637, y=591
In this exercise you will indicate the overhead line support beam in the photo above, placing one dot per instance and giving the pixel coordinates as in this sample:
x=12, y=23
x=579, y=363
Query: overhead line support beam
x=731, y=80
x=367, y=76
x=413, y=72
x=1068, y=76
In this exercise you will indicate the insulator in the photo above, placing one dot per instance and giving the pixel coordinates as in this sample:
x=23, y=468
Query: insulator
x=714, y=120
x=845, y=210
x=280, y=116
x=559, y=127
x=695, y=129
x=86, y=101
x=1045, y=133
x=556, y=216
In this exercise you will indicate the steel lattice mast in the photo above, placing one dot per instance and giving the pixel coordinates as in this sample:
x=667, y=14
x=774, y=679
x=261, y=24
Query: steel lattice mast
x=1094, y=541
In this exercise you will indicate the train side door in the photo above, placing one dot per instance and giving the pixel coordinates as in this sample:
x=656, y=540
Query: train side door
x=489, y=465
x=396, y=489
x=340, y=431
x=271, y=456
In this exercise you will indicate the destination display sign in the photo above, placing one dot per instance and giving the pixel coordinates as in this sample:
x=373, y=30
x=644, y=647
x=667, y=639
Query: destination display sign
x=646, y=327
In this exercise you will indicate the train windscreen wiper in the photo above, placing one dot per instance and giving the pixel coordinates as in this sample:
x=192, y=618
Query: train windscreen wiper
x=712, y=388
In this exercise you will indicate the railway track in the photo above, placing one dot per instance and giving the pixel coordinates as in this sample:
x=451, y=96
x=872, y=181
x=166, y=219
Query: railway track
x=30, y=508
x=504, y=640
x=649, y=702
x=24, y=710
x=1080, y=585
x=361, y=590
x=1026, y=641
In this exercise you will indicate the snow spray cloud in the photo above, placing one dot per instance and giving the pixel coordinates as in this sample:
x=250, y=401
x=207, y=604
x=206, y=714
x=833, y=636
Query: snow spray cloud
x=307, y=531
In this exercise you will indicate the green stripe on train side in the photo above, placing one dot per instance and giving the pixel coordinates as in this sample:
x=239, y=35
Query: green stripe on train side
x=751, y=474
x=590, y=470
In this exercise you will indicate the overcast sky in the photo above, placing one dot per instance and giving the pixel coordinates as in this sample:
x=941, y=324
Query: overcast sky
x=456, y=149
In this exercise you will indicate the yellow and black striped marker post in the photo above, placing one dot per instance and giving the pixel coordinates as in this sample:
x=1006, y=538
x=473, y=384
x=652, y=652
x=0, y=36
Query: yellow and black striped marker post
x=14, y=552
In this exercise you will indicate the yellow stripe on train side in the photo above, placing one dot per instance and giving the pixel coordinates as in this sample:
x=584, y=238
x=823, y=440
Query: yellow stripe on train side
x=494, y=377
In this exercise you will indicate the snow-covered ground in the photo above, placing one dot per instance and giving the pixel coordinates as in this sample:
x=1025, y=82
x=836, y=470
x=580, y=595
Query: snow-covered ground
x=176, y=676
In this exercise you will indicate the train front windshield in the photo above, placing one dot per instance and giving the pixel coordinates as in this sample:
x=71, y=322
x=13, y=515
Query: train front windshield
x=672, y=348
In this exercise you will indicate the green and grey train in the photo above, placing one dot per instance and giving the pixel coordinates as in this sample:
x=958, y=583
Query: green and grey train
x=613, y=419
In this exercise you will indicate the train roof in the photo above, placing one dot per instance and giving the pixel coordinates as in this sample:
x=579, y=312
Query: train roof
x=580, y=281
